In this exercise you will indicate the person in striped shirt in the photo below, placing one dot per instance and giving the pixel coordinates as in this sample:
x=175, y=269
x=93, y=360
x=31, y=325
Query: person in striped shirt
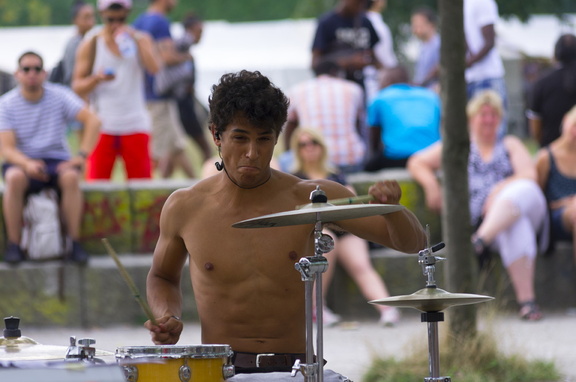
x=34, y=119
x=334, y=107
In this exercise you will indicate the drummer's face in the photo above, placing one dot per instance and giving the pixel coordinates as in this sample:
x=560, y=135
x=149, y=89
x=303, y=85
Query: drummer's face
x=247, y=151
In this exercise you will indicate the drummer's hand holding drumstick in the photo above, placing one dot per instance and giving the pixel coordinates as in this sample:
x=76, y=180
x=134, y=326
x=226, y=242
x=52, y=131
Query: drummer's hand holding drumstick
x=168, y=330
x=386, y=192
x=389, y=192
x=165, y=330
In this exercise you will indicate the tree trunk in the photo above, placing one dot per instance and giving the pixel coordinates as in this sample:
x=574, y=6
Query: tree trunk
x=456, y=146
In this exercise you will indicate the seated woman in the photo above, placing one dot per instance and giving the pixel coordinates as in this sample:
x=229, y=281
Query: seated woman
x=507, y=207
x=310, y=162
x=557, y=177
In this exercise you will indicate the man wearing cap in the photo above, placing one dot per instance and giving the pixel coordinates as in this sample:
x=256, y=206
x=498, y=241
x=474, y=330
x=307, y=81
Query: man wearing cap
x=168, y=136
x=110, y=69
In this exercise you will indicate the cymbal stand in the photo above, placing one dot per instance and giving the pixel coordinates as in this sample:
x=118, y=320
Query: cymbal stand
x=311, y=269
x=427, y=260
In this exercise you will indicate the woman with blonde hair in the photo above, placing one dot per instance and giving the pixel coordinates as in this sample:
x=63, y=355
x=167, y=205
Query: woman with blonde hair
x=557, y=178
x=311, y=162
x=507, y=208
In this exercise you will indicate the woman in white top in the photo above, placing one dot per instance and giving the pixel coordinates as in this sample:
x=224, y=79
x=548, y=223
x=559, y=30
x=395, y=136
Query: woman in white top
x=110, y=71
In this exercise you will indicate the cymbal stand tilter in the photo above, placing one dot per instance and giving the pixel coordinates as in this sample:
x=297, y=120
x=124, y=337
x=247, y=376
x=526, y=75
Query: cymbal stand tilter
x=431, y=300
x=427, y=260
x=311, y=269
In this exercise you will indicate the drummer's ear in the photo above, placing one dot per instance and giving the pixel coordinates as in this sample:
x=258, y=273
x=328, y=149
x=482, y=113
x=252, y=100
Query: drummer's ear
x=215, y=134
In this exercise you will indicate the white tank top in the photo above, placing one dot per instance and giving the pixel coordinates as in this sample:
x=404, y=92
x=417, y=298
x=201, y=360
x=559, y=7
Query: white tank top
x=120, y=103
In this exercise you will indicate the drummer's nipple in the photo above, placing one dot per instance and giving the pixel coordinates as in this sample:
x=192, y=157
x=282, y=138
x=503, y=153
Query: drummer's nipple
x=293, y=255
x=209, y=266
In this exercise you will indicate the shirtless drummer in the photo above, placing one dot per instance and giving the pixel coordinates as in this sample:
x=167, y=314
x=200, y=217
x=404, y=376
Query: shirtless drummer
x=247, y=291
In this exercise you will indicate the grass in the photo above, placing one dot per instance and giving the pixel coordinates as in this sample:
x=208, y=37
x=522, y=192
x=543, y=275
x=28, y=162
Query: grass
x=476, y=359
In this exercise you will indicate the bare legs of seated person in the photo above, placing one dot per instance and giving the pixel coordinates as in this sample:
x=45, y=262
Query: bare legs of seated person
x=353, y=255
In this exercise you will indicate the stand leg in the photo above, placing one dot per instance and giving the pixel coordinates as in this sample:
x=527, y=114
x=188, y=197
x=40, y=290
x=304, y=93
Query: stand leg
x=309, y=284
x=311, y=269
x=309, y=369
x=432, y=318
x=319, y=328
x=434, y=350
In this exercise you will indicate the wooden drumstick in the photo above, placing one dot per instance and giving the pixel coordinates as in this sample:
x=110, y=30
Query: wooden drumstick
x=351, y=200
x=126, y=276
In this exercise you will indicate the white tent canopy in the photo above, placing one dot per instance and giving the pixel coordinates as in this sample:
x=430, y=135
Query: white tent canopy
x=279, y=49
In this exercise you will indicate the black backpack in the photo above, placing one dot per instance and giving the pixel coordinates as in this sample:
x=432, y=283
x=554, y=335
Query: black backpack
x=57, y=73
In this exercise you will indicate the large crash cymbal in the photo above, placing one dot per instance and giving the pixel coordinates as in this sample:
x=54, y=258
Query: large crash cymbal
x=324, y=212
x=432, y=300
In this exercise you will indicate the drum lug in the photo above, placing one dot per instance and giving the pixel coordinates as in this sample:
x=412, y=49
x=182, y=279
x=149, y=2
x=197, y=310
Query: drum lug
x=131, y=373
x=184, y=372
x=228, y=371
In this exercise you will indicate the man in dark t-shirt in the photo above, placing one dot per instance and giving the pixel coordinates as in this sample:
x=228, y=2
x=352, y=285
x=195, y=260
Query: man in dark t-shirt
x=554, y=94
x=346, y=36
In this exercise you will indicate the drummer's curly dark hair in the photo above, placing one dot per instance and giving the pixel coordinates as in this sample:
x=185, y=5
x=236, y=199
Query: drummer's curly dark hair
x=248, y=95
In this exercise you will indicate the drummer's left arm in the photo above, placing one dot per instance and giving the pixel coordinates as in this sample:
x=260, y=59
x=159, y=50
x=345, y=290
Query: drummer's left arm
x=399, y=230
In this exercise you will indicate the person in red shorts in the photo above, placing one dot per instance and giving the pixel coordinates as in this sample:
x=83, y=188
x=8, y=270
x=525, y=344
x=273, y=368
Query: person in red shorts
x=110, y=70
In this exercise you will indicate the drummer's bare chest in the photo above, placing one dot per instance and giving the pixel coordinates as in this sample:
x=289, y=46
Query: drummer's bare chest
x=215, y=246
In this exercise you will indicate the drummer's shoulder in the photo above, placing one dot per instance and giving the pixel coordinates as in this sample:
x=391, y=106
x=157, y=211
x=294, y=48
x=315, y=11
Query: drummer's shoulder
x=190, y=193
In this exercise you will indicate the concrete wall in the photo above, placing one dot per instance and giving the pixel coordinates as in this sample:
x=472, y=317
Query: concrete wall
x=54, y=293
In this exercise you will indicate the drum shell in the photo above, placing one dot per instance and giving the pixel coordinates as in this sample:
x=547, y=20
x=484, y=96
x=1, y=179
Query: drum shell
x=209, y=363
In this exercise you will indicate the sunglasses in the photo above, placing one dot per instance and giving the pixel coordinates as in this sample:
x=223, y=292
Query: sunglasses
x=26, y=69
x=313, y=142
x=111, y=20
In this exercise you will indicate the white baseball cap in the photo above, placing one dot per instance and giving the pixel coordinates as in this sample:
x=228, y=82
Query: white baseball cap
x=105, y=4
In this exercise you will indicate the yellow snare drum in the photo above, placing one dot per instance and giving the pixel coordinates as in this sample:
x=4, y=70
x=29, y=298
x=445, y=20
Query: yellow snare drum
x=175, y=363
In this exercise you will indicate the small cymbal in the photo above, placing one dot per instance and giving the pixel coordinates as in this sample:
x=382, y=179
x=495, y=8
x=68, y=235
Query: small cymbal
x=432, y=300
x=324, y=212
x=27, y=352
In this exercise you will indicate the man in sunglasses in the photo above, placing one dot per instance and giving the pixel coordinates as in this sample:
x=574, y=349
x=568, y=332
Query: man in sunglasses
x=34, y=118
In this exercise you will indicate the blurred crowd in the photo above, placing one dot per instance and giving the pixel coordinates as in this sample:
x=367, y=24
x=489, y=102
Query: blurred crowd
x=128, y=90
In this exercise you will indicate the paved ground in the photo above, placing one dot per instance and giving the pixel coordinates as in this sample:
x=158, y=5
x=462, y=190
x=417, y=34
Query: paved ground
x=350, y=347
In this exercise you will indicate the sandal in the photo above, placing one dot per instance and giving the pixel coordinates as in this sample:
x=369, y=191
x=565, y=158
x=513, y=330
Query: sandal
x=529, y=311
x=482, y=252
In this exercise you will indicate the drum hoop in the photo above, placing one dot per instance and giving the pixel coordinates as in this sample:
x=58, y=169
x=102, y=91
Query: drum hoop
x=174, y=351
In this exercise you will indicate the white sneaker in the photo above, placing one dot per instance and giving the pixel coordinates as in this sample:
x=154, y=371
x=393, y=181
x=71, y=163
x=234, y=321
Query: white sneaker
x=329, y=318
x=390, y=317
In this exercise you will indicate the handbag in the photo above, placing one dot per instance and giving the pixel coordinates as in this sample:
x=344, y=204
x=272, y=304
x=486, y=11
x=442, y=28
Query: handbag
x=170, y=76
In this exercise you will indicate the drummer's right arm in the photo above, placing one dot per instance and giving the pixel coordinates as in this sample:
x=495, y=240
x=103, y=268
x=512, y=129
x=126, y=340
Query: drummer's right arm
x=163, y=282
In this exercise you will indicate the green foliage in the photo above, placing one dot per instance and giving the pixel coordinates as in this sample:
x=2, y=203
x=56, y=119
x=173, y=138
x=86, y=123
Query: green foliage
x=397, y=15
x=35, y=306
x=524, y=9
x=476, y=360
x=239, y=10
